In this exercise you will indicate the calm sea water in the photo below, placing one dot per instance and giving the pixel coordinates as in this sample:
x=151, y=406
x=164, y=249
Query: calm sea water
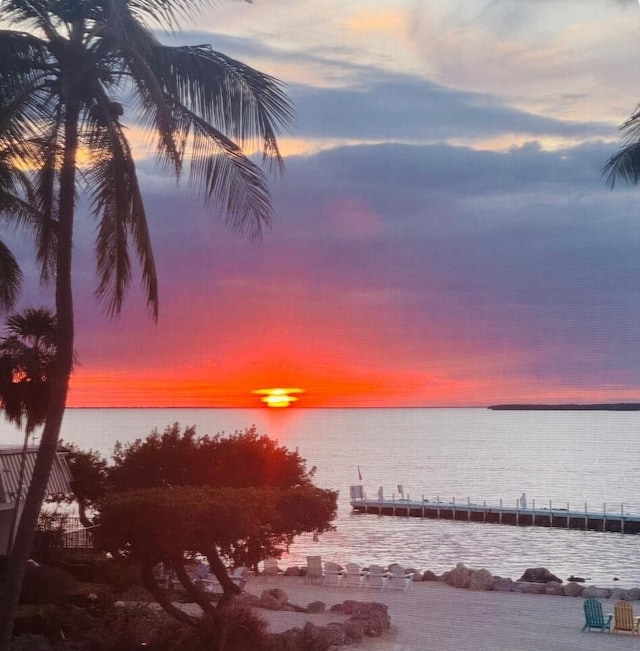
x=476, y=454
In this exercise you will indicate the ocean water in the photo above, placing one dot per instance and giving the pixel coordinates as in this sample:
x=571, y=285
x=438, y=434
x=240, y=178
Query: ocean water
x=566, y=458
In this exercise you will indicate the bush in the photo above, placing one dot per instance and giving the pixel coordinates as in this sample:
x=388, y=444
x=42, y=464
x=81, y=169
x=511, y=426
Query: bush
x=46, y=585
x=242, y=628
x=121, y=575
x=140, y=627
x=29, y=642
x=136, y=628
x=44, y=620
x=92, y=595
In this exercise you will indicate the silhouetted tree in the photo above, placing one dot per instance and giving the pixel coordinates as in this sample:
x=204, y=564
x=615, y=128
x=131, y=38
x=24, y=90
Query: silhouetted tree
x=173, y=525
x=244, y=459
x=27, y=356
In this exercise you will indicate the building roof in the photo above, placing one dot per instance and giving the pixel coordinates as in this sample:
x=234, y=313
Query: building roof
x=10, y=459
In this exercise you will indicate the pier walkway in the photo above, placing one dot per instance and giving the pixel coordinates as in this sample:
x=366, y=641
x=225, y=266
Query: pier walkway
x=550, y=516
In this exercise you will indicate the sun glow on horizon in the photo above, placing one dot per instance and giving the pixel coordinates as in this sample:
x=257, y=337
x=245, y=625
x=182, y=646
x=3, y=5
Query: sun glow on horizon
x=278, y=397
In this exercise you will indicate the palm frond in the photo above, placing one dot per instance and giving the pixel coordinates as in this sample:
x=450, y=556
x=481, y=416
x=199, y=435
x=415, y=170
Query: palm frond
x=228, y=179
x=247, y=105
x=625, y=166
x=10, y=277
x=167, y=13
x=117, y=201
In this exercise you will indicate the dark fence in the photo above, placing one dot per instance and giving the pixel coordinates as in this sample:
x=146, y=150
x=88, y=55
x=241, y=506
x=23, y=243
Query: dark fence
x=56, y=531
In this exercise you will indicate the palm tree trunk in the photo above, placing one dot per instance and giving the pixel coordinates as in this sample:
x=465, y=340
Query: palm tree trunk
x=10, y=590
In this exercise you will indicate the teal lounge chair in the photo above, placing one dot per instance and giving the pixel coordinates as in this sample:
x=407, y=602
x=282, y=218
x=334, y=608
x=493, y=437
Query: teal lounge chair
x=594, y=617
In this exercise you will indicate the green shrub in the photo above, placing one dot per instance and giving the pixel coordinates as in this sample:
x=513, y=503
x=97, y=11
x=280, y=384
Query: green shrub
x=121, y=575
x=46, y=585
x=242, y=628
x=29, y=642
x=136, y=628
x=39, y=620
x=81, y=596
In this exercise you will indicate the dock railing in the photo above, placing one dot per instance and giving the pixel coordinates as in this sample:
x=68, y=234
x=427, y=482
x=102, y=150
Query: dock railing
x=616, y=519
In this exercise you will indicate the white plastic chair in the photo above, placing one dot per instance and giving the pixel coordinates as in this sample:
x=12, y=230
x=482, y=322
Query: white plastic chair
x=332, y=575
x=354, y=577
x=399, y=579
x=376, y=578
x=314, y=570
x=271, y=569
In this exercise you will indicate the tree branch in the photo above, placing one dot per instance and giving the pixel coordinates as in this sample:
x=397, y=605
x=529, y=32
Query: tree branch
x=229, y=588
x=151, y=584
x=197, y=595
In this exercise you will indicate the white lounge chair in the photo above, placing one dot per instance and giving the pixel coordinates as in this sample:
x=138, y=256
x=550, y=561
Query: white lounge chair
x=314, y=570
x=271, y=570
x=376, y=577
x=399, y=579
x=354, y=576
x=332, y=575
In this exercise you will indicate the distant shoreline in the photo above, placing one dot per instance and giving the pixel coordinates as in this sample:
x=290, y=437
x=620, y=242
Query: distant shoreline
x=618, y=406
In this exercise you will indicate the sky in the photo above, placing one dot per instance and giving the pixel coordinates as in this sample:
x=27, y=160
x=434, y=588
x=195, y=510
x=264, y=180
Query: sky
x=443, y=234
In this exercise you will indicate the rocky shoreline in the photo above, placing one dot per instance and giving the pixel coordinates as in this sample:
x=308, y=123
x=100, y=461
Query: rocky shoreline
x=534, y=581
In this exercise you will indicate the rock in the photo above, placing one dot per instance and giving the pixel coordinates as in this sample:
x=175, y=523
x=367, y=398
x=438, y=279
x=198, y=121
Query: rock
x=554, y=588
x=291, y=639
x=503, y=584
x=247, y=599
x=460, y=577
x=336, y=608
x=294, y=570
x=316, y=636
x=273, y=599
x=595, y=592
x=350, y=606
x=529, y=587
x=577, y=579
x=539, y=575
x=619, y=594
x=372, y=616
x=353, y=632
x=428, y=575
x=573, y=589
x=633, y=594
x=335, y=633
x=317, y=607
x=481, y=580
x=417, y=574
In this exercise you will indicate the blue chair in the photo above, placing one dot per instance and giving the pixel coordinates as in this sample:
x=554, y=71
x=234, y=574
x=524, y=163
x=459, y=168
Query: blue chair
x=594, y=618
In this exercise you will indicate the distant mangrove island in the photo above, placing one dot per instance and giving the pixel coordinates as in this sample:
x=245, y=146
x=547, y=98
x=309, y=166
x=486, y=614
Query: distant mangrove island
x=613, y=406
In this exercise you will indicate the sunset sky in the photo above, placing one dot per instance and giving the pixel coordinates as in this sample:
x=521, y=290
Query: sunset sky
x=443, y=233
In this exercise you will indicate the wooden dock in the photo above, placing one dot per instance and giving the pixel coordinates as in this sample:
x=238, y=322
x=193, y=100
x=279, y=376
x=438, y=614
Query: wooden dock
x=565, y=518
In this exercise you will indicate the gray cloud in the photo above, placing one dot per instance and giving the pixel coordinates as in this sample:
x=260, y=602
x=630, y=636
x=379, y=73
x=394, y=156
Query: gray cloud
x=410, y=108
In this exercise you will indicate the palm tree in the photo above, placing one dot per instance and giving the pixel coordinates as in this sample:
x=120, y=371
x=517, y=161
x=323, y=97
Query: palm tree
x=69, y=69
x=27, y=356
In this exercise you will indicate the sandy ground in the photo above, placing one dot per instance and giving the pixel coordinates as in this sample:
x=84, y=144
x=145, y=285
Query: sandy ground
x=434, y=616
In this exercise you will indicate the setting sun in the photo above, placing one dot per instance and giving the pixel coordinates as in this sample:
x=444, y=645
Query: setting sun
x=278, y=397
